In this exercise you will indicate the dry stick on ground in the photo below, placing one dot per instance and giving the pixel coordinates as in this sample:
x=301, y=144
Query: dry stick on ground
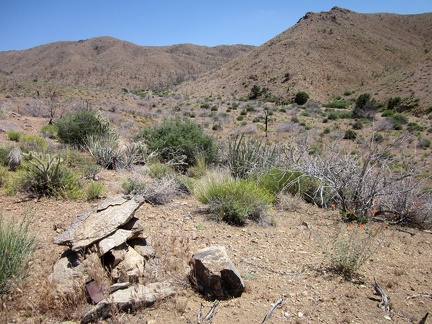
x=272, y=310
x=420, y=295
x=385, y=300
x=209, y=317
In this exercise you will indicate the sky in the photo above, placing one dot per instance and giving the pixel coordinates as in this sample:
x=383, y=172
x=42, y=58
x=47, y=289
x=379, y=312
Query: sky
x=28, y=23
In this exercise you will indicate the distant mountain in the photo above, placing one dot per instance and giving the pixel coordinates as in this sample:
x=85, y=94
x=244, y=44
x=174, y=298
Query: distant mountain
x=329, y=53
x=111, y=63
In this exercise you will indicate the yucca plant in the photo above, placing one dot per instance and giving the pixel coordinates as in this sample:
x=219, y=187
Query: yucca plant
x=248, y=154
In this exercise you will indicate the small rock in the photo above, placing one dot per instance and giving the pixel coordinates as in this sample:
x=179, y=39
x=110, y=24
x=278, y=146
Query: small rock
x=300, y=314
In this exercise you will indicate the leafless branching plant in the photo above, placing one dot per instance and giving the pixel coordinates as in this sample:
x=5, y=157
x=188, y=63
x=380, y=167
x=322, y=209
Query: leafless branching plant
x=369, y=183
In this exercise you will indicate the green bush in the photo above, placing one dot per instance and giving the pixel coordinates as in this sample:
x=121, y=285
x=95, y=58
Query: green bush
x=341, y=104
x=33, y=143
x=76, y=126
x=301, y=98
x=134, y=186
x=4, y=152
x=234, y=201
x=365, y=107
x=159, y=170
x=179, y=141
x=94, y=190
x=49, y=131
x=357, y=125
x=350, y=134
x=277, y=180
x=14, y=135
x=16, y=246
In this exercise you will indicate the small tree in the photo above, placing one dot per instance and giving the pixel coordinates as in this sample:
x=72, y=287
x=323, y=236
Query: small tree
x=365, y=107
x=301, y=98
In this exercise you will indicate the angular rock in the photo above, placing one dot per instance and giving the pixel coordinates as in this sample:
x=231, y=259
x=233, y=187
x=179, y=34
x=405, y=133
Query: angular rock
x=130, y=300
x=214, y=274
x=117, y=238
x=130, y=269
x=139, y=244
x=94, y=226
x=134, y=225
x=68, y=273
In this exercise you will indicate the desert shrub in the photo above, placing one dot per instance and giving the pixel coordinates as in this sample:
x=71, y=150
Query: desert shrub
x=44, y=174
x=163, y=190
x=33, y=143
x=178, y=141
x=350, y=134
x=350, y=247
x=398, y=118
x=248, y=154
x=357, y=125
x=355, y=182
x=14, y=135
x=365, y=107
x=387, y=113
x=159, y=170
x=423, y=143
x=414, y=127
x=76, y=126
x=94, y=190
x=278, y=179
x=234, y=201
x=337, y=103
x=334, y=115
x=49, y=131
x=16, y=247
x=199, y=169
x=4, y=152
x=301, y=98
x=133, y=186
x=393, y=103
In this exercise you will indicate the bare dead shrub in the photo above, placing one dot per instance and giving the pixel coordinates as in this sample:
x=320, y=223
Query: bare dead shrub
x=162, y=191
x=368, y=184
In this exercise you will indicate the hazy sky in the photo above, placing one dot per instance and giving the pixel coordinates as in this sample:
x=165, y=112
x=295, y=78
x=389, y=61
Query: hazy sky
x=28, y=23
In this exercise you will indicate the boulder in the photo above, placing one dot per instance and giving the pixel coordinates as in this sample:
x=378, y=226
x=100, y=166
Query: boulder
x=129, y=299
x=214, y=274
x=93, y=226
x=68, y=273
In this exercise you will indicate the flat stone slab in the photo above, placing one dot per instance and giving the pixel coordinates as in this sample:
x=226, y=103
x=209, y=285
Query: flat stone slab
x=117, y=238
x=129, y=299
x=96, y=225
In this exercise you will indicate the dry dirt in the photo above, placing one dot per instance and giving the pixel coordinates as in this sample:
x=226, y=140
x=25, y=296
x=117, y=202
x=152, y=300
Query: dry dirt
x=284, y=260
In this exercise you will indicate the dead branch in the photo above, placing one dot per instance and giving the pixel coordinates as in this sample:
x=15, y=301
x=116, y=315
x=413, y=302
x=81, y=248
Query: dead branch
x=420, y=295
x=272, y=310
x=385, y=300
x=211, y=313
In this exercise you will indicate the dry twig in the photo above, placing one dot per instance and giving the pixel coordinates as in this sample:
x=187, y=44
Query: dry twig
x=272, y=310
x=209, y=317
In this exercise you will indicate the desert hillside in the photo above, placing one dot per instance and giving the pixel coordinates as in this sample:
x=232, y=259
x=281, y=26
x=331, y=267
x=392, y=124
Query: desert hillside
x=328, y=53
x=107, y=62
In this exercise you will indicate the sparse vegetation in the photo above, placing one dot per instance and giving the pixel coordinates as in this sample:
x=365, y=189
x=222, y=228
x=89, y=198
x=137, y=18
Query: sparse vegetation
x=16, y=247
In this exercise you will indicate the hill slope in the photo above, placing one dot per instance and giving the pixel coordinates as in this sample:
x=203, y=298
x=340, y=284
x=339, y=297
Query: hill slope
x=328, y=53
x=111, y=63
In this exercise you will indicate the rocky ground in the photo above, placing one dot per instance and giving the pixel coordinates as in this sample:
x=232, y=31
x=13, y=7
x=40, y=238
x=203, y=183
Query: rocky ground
x=285, y=260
